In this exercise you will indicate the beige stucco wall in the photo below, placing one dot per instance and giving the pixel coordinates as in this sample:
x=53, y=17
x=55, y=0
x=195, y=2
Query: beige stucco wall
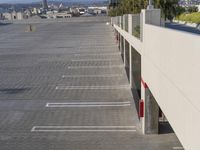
x=171, y=68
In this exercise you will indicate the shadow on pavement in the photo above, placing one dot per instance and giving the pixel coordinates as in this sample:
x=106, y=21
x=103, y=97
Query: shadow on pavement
x=165, y=128
x=13, y=90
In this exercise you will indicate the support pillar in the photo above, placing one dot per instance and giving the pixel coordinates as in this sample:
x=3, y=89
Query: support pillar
x=119, y=36
x=150, y=120
x=130, y=66
x=121, y=44
x=130, y=30
x=130, y=50
x=120, y=22
x=124, y=51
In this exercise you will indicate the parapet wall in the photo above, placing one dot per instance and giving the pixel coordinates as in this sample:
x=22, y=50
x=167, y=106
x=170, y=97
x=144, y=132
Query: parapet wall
x=171, y=69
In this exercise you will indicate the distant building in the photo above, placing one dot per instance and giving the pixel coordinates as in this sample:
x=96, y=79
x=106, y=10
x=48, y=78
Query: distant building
x=63, y=15
x=15, y=16
x=44, y=4
x=74, y=11
x=97, y=10
x=56, y=14
x=81, y=11
x=35, y=11
x=1, y=16
x=198, y=7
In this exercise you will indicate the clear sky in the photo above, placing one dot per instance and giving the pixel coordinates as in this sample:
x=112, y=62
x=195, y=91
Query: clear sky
x=28, y=1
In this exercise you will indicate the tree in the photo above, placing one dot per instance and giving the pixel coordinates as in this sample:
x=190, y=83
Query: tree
x=179, y=10
x=168, y=8
x=129, y=6
x=192, y=9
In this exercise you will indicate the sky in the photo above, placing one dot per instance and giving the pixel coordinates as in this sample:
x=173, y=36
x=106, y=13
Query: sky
x=29, y=1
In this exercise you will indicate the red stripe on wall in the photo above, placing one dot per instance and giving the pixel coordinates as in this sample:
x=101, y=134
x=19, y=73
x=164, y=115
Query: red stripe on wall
x=144, y=84
x=141, y=108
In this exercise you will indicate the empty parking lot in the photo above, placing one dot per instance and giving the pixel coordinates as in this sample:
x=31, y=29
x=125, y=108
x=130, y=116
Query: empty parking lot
x=64, y=87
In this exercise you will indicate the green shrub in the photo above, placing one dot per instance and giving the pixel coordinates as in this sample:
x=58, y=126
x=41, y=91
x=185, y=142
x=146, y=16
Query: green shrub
x=192, y=17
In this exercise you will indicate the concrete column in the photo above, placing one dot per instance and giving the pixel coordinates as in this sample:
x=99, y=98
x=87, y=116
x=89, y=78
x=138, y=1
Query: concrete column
x=124, y=51
x=130, y=66
x=151, y=114
x=123, y=22
x=130, y=24
x=119, y=40
x=153, y=16
x=150, y=16
x=121, y=44
x=120, y=23
x=150, y=121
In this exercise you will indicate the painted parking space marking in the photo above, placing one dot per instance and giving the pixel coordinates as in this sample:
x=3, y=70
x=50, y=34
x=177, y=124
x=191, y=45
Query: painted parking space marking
x=92, y=87
x=93, y=76
x=93, y=67
x=178, y=148
x=100, y=54
x=89, y=104
x=83, y=129
x=86, y=60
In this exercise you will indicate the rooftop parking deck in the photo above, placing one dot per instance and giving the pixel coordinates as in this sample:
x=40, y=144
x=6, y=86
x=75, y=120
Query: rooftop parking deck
x=64, y=87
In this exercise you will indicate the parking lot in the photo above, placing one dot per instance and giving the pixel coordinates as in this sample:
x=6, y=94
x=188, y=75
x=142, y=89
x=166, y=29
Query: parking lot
x=64, y=87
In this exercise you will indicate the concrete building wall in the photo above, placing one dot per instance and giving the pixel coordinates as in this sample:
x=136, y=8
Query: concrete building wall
x=1, y=16
x=171, y=69
x=7, y=16
x=20, y=16
x=44, y=4
x=14, y=16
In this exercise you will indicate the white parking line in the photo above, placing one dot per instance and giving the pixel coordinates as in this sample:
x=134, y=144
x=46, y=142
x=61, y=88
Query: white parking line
x=89, y=104
x=83, y=60
x=93, y=76
x=85, y=67
x=100, y=54
x=177, y=148
x=81, y=106
x=92, y=87
x=83, y=129
x=104, y=46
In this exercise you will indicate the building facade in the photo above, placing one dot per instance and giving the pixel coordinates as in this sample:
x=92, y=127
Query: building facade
x=45, y=5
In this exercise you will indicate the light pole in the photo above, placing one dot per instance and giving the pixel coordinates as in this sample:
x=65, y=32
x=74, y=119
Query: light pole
x=150, y=2
x=150, y=6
